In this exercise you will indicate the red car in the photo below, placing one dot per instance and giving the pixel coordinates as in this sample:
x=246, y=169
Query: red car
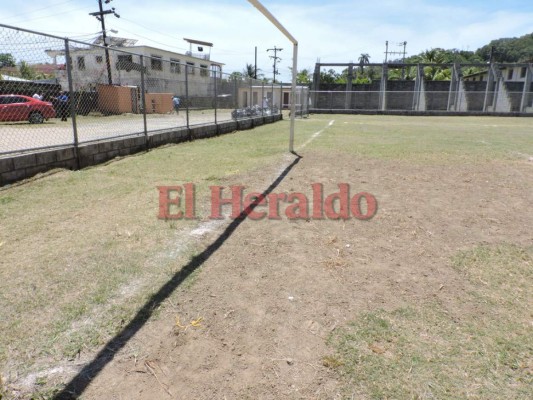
x=24, y=108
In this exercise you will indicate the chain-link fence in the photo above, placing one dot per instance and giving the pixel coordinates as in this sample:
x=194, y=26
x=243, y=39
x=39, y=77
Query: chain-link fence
x=302, y=101
x=59, y=92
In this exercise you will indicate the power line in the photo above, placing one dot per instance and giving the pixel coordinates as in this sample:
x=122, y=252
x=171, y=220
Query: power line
x=40, y=9
x=48, y=16
x=150, y=40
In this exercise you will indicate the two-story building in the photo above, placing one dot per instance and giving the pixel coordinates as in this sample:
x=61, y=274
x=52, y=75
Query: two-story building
x=163, y=70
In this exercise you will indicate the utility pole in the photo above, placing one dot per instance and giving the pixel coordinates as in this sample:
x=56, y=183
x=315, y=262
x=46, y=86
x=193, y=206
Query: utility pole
x=255, y=64
x=276, y=59
x=100, y=17
x=402, y=53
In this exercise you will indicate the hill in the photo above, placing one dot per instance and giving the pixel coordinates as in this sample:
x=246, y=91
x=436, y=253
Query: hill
x=500, y=50
x=509, y=49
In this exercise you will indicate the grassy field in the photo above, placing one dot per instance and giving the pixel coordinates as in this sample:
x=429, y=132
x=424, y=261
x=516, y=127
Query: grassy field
x=81, y=251
x=74, y=242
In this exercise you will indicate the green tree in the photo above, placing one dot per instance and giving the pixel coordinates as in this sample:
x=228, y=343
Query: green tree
x=364, y=58
x=7, y=60
x=508, y=49
x=435, y=56
x=236, y=75
x=26, y=71
x=249, y=71
x=303, y=77
x=329, y=76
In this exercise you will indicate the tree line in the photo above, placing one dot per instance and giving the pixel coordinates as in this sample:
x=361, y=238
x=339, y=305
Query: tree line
x=505, y=50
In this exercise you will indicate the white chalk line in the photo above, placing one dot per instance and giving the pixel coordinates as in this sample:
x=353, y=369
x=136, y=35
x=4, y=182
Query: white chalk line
x=315, y=135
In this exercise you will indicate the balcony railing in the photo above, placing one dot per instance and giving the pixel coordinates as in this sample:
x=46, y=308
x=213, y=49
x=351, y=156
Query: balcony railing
x=203, y=56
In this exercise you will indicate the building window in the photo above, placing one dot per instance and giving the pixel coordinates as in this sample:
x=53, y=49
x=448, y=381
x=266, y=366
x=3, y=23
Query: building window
x=125, y=61
x=81, y=63
x=99, y=59
x=203, y=70
x=523, y=72
x=125, y=57
x=175, y=66
x=510, y=74
x=190, y=68
x=216, y=71
x=157, y=63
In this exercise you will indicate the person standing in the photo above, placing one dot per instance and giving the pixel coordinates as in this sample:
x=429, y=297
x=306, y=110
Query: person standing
x=63, y=105
x=176, y=102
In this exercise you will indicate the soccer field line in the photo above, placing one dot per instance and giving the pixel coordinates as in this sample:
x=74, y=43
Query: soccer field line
x=315, y=135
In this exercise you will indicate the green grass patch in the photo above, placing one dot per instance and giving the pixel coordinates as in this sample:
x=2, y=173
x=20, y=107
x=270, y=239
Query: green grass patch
x=426, y=352
x=429, y=139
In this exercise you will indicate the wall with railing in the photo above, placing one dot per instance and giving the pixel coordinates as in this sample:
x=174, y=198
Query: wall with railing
x=495, y=89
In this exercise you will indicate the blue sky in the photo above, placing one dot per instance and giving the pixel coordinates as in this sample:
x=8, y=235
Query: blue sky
x=332, y=31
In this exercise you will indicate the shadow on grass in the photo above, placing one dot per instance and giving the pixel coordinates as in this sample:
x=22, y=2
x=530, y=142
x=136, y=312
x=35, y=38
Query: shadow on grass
x=79, y=383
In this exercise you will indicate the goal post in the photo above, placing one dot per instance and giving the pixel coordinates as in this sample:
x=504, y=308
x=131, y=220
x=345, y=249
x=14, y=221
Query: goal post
x=278, y=25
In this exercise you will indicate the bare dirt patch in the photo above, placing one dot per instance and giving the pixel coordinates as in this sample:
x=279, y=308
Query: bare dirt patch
x=256, y=321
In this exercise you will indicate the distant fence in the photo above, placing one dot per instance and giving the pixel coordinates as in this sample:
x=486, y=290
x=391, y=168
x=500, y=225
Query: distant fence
x=495, y=89
x=115, y=92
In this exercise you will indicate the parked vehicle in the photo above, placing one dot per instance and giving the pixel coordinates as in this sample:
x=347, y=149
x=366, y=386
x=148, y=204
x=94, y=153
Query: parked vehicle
x=25, y=108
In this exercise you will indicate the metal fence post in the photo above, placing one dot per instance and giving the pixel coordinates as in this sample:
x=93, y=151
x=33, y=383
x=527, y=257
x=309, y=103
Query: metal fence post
x=143, y=100
x=251, y=92
x=72, y=103
x=262, y=97
x=280, y=96
x=301, y=100
x=187, y=95
x=236, y=93
x=216, y=98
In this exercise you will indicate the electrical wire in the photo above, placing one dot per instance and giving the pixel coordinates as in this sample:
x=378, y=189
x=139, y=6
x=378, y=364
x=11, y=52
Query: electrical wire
x=219, y=50
x=50, y=16
x=40, y=9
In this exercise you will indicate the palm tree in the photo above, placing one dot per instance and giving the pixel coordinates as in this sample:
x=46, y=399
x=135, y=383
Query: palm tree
x=364, y=58
x=249, y=71
x=434, y=56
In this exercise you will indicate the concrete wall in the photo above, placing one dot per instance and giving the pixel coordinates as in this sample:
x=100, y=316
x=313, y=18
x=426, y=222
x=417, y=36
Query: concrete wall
x=400, y=95
x=366, y=96
x=436, y=94
x=24, y=166
x=433, y=96
x=514, y=91
x=475, y=95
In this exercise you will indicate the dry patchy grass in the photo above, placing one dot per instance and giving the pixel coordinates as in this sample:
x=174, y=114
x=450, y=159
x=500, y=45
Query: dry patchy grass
x=427, y=351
